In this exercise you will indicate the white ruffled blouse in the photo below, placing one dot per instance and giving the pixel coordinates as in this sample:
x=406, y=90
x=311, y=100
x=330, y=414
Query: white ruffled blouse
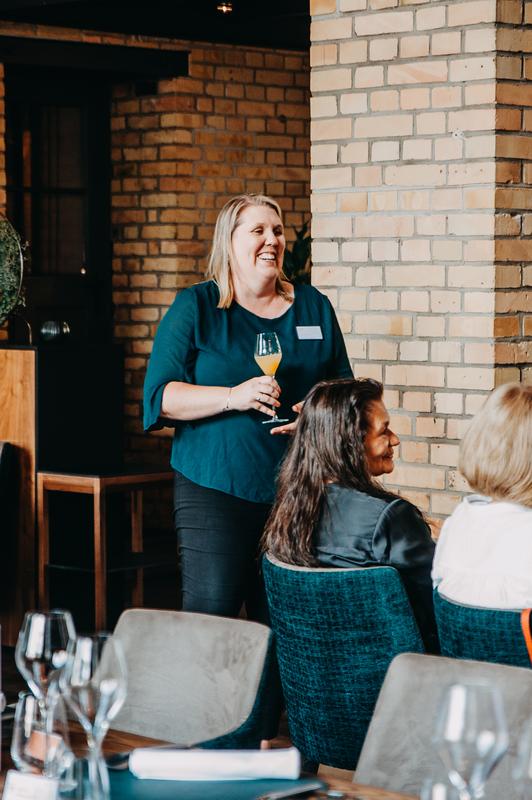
x=484, y=554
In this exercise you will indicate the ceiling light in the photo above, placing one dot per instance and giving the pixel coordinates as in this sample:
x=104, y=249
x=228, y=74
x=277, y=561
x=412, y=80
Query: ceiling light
x=225, y=7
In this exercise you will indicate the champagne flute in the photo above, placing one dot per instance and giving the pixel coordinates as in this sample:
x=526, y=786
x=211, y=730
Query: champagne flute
x=94, y=686
x=268, y=356
x=41, y=655
x=471, y=735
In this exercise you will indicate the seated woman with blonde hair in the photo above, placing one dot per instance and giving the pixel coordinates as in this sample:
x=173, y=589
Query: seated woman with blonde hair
x=484, y=553
x=331, y=510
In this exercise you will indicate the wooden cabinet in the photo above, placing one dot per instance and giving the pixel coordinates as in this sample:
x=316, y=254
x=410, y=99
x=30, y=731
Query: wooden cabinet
x=18, y=426
x=62, y=408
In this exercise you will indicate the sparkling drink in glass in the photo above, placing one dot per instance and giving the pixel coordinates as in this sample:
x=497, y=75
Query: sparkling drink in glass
x=268, y=355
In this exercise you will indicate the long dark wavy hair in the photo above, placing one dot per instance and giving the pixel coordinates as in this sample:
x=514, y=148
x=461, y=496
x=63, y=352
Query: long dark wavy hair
x=328, y=447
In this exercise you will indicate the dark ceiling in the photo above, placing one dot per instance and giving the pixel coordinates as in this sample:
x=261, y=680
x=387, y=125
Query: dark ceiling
x=265, y=23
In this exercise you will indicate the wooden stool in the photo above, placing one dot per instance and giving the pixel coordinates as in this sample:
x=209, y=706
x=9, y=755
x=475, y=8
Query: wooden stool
x=98, y=486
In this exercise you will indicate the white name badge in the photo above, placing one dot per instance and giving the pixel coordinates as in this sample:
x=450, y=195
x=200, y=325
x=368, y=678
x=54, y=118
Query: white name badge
x=309, y=332
x=25, y=786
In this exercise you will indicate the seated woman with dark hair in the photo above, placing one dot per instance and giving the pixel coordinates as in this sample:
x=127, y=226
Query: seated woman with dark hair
x=330, y=511
x=484, y=553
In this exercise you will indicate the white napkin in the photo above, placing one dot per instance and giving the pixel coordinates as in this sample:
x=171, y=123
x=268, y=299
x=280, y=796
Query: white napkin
x=214, y=765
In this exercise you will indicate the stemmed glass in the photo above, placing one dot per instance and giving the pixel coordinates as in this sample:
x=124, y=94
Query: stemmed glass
x=438, y=790
x=94, y=686
x=41, y=655
x=37, y=749
x=268, y=356
x=522, y=772
x=471, y=735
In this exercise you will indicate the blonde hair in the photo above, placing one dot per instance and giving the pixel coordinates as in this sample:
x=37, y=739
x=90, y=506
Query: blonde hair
x=496, y=452
x=219, y=267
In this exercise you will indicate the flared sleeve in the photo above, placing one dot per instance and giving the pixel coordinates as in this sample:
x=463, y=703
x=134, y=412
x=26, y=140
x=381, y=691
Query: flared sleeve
x=173, y=356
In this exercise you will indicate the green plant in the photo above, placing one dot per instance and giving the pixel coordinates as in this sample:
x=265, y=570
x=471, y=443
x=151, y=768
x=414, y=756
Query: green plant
x=296, y=264
x=11, y=270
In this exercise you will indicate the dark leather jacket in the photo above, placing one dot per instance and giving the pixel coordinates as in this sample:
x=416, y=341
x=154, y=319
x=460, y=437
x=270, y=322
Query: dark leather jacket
x=356, y=529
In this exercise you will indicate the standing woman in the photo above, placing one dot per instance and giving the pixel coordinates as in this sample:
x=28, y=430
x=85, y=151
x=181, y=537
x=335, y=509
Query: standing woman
x=203, y=377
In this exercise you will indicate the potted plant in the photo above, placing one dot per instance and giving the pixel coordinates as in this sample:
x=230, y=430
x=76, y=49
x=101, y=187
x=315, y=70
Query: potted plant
x=296, y=264
x=11, y=270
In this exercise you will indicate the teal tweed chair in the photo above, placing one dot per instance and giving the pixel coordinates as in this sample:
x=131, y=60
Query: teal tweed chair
x=336, y=631
x=480, y=634
x=195, y=679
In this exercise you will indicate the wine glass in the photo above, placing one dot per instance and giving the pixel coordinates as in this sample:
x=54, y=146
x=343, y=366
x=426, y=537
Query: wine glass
x=39, y=747
x=438, y=790
x=94, y=686
x=41, y=655
x=471, y=735
x=268, y=356
x=522, y=771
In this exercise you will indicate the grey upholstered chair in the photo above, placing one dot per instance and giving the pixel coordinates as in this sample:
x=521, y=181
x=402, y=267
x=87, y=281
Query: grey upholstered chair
x=194, y=679
x=398, y=755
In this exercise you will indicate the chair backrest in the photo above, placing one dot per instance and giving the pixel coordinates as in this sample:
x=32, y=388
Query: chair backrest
x=193, y=678
x=6, y=476
x=336, y=632
x=481, y=634
x=398, y=754
x=9, y=506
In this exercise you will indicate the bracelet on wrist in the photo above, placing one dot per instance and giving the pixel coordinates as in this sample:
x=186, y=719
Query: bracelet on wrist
x=227, y=406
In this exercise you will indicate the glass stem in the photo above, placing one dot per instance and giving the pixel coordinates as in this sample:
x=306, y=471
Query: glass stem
x=47, y=708
x=98, y=774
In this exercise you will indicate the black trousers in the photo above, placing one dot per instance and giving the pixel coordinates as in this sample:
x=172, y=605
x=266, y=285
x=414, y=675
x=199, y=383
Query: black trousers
x=218, y=538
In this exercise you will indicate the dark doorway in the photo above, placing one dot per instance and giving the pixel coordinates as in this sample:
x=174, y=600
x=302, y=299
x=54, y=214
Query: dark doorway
x=58, y=197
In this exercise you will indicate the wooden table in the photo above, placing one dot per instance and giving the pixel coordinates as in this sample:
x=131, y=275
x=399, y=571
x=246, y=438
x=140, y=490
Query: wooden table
x=98, y=486
x=118, y=742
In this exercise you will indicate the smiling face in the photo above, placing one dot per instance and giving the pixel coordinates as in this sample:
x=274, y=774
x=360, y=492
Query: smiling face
x=379, y=440
x=258, y=245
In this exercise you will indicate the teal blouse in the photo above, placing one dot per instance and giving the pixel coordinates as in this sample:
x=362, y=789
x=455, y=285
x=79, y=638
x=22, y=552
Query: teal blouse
x=201, y=344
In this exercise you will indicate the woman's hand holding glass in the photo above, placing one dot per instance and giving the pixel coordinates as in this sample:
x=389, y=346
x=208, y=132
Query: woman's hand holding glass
x=259, y=393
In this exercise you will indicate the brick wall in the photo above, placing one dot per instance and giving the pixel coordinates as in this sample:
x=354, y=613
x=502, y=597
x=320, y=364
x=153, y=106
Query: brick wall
x=421, y=181
x=418, y=133
x=239, y=122
x=513, y=195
